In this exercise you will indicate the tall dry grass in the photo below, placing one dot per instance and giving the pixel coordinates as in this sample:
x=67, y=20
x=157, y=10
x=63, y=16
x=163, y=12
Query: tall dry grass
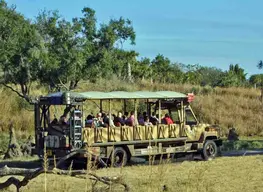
x=223, y=174
x=238, y=107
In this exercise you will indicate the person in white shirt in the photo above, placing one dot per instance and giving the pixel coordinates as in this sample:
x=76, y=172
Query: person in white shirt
x=147, y=121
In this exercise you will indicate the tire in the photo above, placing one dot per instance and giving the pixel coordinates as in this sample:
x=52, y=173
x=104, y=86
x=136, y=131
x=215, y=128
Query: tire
x=119, y=157
x=210, y=150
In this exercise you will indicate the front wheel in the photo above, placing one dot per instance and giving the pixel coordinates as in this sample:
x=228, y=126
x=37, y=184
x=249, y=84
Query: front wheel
x=209, y=151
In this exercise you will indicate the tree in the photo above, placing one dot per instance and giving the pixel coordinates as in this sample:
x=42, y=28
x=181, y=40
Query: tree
x=21, y=51
x=141, y=69
x=256, y=79
x=175, y=74
x=160, y=67
x=260, y=66
x=116, y=31
x=191, y=75
x=210, y=76
x=65, y=46
x=106, y=59
x=238, y=71
x=234, y=77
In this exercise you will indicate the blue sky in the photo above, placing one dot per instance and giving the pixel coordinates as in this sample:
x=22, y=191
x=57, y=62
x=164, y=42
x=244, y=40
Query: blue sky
x=211, y=33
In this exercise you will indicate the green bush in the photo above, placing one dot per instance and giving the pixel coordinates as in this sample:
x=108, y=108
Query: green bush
x=256, y=144
x=241, y=145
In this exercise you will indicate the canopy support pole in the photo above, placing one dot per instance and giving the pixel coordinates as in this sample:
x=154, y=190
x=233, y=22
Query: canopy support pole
x=148, y=108
x=100, y=105
x=182, y=120
x=125, y=106
x=109, y=112
x=159, y=111
x=135, y=112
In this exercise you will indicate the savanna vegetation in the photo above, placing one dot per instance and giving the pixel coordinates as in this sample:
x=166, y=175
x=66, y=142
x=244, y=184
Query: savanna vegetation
x=56, y=53
x=49, y=53
x=222, y=174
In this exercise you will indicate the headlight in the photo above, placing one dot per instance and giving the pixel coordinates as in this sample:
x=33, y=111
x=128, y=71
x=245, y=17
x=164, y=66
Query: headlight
x=211, y=129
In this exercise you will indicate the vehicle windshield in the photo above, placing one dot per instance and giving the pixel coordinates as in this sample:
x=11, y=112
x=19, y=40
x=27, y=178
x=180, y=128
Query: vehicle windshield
x=190, y=118
x=175, y=116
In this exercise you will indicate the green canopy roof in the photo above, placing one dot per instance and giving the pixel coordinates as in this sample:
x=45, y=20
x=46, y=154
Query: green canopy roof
x=132, y=95
x=122, y=95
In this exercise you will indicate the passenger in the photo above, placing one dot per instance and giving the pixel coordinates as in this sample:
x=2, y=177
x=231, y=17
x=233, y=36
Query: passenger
x=125, y=116
x=118, y=120
x=131, y=120
x=167, y=119
x=153, y=119
x=111, y=120
x=89, y=121
x=106, y=120
x=63, y=120
x=147, y=121
x=140, y=119
x=98, y=121
x=104, y=116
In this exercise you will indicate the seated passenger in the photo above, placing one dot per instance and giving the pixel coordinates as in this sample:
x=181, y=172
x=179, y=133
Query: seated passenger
x=167, y=119
x=125, y=116
x=118, y=120
x=107, y=120
x=104, y=117
x=89, y=121
x=98, y=121
x=140, y=119
x=147, y=121
x=63, y=120
x=131, y=120
x=153, y=119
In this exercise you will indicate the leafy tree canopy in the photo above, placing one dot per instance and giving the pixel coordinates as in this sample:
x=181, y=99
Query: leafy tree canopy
x=60, y=53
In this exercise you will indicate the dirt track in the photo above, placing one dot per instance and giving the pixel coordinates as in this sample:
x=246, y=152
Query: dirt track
x=135, y=161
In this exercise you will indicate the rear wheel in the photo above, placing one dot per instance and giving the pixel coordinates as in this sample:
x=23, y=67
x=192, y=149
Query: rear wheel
x=119, y=157
x=210, y=150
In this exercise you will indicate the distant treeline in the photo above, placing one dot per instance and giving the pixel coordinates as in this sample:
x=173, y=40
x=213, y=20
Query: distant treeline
x=54, y=52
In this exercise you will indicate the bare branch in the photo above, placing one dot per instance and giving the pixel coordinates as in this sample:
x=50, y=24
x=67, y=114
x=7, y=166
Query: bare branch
x=6, y=171
x=24, y=182
x=63, y=84
x=33, y=173
x=19, y=94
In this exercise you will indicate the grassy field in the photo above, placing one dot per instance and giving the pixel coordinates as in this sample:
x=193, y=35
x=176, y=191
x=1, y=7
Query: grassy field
x=229, y=107
x=222, y=174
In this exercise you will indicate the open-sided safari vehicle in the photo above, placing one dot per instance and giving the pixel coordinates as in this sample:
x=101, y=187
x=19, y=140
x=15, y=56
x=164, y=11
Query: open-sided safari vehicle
x=183, y=135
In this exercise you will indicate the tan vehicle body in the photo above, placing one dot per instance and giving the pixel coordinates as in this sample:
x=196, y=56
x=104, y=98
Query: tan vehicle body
x=184, y=136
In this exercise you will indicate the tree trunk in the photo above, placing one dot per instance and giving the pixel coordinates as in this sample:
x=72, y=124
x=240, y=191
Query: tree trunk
x=73, y=84
x=13, y=147
x=129, y=72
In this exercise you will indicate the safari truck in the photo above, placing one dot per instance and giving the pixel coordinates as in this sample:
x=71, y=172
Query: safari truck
x=118, y=144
